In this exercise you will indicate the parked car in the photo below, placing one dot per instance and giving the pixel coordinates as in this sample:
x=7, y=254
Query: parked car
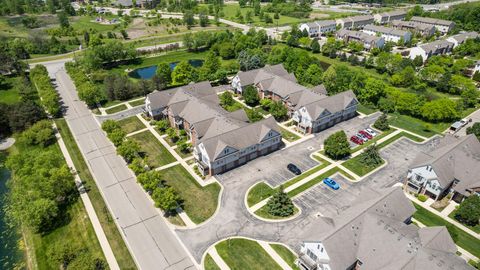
x=361, y=137
x=371, y=132
x=356, y=140
x=294, y=169
x=366, y=134
x=331, y=183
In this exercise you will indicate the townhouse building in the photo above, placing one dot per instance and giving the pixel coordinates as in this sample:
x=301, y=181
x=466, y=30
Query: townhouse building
x=387, y=17
x=443, y=26
x=388, y=33
x=452, y=168
x=425, y=30
x=377, y=234
x=462, y=37
x=427, y=50
x=311, y=109
x=355, y=22
x=318, y=28
x=222, y=140
x=368, y=41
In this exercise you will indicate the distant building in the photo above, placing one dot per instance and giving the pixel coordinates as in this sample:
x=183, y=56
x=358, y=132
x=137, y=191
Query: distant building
x=377, y=234
x=387, y=17
x=462, y=37
x=389, y=34
x=311, y=109
x=425, y=30
x=453, y=168
x=355, y=22
x=427, y=50
x=443, y=26
x=222, y=140
x=368, y=41
x=318, y=28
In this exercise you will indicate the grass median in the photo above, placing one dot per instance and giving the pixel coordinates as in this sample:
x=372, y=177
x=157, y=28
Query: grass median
x=287, y=255
x=114, y=238
x=239, y=253
x=209, y=263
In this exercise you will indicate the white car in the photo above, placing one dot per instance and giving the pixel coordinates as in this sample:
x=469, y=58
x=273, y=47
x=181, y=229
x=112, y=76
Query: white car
x=371, y=132
x=361, y=137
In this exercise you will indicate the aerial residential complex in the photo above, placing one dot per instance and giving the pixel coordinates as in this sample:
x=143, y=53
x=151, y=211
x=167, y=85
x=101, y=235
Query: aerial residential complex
x=423, y=29
x=453, y=168
x=388, y=17
x=318, y=28
x=459, y=39
x=311, y=109
x=223, y=140
x=355, y=22
x=368, y=41
x=443, y=26
x=389, y=34
x=378, y=234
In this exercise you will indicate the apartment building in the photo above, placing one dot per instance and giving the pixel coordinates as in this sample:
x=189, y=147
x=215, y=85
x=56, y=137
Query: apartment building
x=318, y=28
x=462, y=37
x=443, y=26
x=303, y=104
x=355, y=22
x=387, y=17
x=425, y=30
x=377, y=234
x=452, y=168
x=389, y=34
x=427, y=50
x=368, y=41
x=222, y=140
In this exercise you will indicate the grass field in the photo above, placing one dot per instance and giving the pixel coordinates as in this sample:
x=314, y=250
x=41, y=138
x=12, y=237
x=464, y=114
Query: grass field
x=116, y=109
x=245, y=254
x=157, y=154
x=289, y=136
x=210, y=264
x=199, y=202
x=131, y=124
x=115, y=240
x=8, y=93
x=464, y=240
x=286, y=255
x=417, y=126
x=82, y=23
x=365, y=109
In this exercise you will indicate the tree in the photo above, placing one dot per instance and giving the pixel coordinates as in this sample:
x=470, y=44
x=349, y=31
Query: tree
x=166, y=199
x=63, y=19
x=374, y=89
x=164, y=73
x=248, y=17
x=253, y=115
x=203, y=18
x=256, y=7
x=470, y=96
x=150, y=180
x=469, y=211
x=336, y=145
x=210, y=66
x=370, y=156
x=162, y=125
x=474, y=129
x=250, y=94
x=188, y=19
x=128, y=150
x=249, y=60
x=124, y=34
x=476, y=76
x=443, y=109
x=117, y=136
x=382, y=123
x=418, y=61
x=138, y=166
x=183, y=73
x=312, y=75
x=315, y=46
x=280, y=204
x=278, y=110
x=183, y=146
x=226, y=99
x=110, y=125
x=41, y=133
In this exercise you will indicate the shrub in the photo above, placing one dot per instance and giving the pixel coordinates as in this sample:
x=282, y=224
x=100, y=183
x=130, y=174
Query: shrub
x=422, y=198
x=469, y=211
x=49, y=97
x=382, y=123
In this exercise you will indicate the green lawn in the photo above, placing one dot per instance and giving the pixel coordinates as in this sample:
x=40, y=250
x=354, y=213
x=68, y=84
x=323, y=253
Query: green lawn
x=157, y=154
x=473, y=228
x=289, y=136
x=199, y=202
x=131, y=124
x=287, y=255
x=137, y=102
x=10, y=96
x=417, y=126
x=365, y=109
x=464, y=240
x=236, y=106
x=210, y=264
x=115, y=240
x=116, y=109
x=82, y=23
x=358, y=166
x=241, y=254
x=398, y=136
x=263, y=212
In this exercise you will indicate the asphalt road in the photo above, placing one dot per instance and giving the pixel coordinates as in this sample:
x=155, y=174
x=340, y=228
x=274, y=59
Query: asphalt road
x=151, y=241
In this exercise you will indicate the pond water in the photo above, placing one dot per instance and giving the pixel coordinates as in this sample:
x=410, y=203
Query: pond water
x=149, y=72
x=10, y=254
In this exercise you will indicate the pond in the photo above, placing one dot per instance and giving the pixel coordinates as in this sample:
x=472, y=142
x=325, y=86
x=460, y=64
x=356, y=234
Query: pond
x=149, y=72
x=10, y=253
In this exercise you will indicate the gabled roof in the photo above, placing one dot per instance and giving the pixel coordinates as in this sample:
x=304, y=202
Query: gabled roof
x=281, y=86
x=411, y=24
x=460, y=38
x=239, y=138
x=393, y=13
x=431, y=21
x=331, y=104
x=268, y=72
x=160, y=99
x=364, y=37
x=385, y=30
x=436, y=45
x=458, y=160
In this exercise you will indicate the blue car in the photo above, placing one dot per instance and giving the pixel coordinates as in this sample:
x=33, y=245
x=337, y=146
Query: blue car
x=331, y=183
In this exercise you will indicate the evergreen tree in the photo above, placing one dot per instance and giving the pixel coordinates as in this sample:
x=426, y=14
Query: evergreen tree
x=280, y=204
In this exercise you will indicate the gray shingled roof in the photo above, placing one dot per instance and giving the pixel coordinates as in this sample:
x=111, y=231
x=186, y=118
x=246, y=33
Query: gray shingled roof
x=360, y=18
x=411, y=24
x=256, y=75
x=431, y=21
x=436, y=45
x=385, y=30
x=374, y=232
x=325, y=23
x=460, y=38
x=457, y=160
x=364, y=37
x=329, y=105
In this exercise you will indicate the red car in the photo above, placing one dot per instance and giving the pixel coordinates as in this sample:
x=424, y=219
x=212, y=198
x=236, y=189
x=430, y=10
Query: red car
x=356, y=140
x=366, y=134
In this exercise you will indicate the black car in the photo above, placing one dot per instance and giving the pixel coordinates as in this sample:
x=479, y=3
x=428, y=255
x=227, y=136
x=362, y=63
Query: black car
x=294, y=169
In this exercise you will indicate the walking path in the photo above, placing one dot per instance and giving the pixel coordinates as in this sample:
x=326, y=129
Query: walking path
x=427, y=206
x=97, y=227
x=279, y=260
x=465, y=254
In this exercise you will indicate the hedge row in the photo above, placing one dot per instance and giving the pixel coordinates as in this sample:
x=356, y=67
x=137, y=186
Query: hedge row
x=49, y=97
